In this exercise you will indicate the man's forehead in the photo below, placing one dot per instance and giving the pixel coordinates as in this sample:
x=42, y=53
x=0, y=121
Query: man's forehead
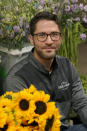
x=45, y=21
x=46, y=25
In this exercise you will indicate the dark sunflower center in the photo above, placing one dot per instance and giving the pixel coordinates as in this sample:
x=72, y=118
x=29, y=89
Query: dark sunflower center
x=4, y=128
x=24, y=104
x=34, y=124
x=4, y=106
x=40, y=107
x=24, y=124
x=49, y=123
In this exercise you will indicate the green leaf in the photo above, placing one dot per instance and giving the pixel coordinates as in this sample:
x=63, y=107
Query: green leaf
x=8, y=96
x=2, y=72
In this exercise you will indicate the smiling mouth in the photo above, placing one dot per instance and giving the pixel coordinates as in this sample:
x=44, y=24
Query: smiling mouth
x=48, y=48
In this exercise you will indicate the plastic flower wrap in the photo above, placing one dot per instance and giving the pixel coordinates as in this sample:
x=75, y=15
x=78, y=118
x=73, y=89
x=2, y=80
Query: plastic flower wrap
x=28, y=110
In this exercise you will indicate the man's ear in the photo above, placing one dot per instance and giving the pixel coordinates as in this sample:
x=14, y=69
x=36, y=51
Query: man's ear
x=31, y=39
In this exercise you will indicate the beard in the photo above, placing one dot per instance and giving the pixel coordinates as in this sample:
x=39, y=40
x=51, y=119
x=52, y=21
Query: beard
x=47, y=55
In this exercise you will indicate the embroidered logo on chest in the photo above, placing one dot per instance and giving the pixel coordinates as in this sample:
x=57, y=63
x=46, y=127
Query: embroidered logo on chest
x=63, y=85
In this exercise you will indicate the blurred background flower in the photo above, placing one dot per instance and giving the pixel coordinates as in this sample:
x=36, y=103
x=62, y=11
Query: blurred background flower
x=76, y=11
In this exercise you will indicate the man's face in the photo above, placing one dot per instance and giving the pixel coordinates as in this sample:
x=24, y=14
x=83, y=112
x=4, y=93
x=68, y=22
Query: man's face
x=45, y=49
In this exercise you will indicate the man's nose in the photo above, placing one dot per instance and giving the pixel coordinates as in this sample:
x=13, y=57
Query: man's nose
x=49, y=40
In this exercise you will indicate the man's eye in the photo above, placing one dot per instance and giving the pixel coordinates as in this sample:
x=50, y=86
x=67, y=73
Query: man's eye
x=55, y=34
x=41, y=35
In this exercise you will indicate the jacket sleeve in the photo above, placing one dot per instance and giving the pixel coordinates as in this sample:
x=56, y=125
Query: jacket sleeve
x=13, y=83
x=79, y=98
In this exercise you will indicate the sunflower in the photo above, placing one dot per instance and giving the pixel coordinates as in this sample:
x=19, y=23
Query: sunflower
x=56, y=123
x=24, y=107
x=53, y=121
x=31, y=90
x=9, y=126
x=9, y=123
x=33, y=125
x=41, y=111
x=20, y=128
x=41, y=96
x=6, y=104
x=3, y=118
x=46, y=114
x=33, y=122
x=8, y=95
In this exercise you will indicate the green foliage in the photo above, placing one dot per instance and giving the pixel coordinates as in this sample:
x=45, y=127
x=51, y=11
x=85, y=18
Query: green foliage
x=71, y=39
x=74, y=15
x=2, y=72
x=84, y=82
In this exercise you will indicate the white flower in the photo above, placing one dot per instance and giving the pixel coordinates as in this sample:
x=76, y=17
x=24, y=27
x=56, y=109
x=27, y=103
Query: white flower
x=83, y=36
x=85, y=8
x=81, y=6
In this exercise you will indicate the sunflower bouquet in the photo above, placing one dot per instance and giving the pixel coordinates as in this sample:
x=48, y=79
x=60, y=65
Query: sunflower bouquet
x=28, y=110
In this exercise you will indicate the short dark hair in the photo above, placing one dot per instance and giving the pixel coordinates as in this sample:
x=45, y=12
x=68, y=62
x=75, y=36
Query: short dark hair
x=41, y=16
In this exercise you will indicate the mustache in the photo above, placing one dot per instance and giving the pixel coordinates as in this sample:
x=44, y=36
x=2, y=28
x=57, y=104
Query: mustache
x=46, y=47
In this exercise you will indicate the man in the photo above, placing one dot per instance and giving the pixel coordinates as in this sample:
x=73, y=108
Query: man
x=54, y=74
